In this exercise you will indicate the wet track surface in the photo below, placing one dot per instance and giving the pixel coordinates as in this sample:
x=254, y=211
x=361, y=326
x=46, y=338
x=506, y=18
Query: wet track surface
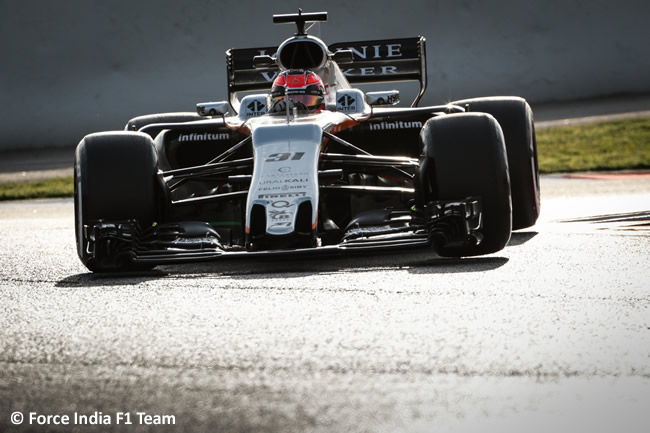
x=550, y=334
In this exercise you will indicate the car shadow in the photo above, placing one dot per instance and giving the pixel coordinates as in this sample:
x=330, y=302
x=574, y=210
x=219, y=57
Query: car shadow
x=416, y=262
x=90, y=279
x=520, y=238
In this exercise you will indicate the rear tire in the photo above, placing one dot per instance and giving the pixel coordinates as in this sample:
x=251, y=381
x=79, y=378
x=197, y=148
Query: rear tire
x=463, y=155
x=516, y=120
x=115, y=180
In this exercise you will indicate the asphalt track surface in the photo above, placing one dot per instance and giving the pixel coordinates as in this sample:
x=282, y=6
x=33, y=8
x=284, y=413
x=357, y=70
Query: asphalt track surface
x=550, y=334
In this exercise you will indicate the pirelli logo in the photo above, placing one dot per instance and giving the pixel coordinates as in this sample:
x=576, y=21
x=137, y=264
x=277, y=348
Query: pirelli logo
x=282, y=195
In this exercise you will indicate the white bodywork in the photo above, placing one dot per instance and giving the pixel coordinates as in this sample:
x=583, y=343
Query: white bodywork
x=286, y=152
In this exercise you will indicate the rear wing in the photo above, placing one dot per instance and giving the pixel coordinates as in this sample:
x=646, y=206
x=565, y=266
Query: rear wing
x=376, y=61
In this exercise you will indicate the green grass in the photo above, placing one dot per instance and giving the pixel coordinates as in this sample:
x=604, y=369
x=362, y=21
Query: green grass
x=617, y=145
x=51, y=188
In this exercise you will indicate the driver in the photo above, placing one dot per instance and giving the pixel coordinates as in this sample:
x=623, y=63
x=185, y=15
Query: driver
x=304, y=89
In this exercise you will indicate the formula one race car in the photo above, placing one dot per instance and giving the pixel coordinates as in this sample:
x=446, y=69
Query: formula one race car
x=309, y=164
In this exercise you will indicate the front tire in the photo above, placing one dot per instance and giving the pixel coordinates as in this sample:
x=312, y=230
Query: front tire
x=463, y=155
x=115, y=180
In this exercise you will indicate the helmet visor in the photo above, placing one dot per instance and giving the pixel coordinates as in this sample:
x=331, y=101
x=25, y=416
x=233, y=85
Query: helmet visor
x=308, y=101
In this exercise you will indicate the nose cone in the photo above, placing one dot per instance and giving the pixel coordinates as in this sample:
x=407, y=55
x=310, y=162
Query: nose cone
x=282, y=200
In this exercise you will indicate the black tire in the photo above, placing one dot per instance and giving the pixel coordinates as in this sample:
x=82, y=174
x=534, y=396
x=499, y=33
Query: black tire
x=138, y=122
x=464, y=155
x=115, y=179
x=516, y=119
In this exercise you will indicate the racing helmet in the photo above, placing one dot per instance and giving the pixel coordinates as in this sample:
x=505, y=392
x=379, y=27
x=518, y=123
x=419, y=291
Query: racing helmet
x=303, y=90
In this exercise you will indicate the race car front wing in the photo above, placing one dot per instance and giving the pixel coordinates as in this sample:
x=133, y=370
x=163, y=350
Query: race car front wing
x=436, y=224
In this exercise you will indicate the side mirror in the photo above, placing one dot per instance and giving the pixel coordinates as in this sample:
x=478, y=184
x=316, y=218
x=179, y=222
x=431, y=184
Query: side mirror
x=387, y=97
x=212, y=108
x=343, y=56
x=264, y=61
